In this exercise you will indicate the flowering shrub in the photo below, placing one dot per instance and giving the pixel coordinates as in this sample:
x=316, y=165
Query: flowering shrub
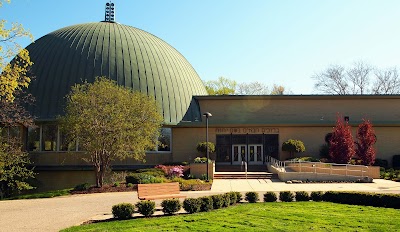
x=172, y=171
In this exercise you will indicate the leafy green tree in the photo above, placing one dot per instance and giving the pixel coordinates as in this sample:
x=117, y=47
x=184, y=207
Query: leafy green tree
x=14, y=171
x=293, y=146
x=222, y=86
x=202, y=148
x=111, y=122
x=13, y=75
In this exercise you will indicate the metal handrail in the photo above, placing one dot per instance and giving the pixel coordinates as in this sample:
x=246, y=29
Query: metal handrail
x=244, y=163
x=314, y=166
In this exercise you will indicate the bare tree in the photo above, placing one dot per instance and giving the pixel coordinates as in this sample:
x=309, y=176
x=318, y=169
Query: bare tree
x=252, y=88
x=358, y=77
x=332, y=81
x=386, y=81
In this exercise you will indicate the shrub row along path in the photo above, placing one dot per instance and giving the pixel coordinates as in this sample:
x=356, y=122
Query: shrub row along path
x=53, y=214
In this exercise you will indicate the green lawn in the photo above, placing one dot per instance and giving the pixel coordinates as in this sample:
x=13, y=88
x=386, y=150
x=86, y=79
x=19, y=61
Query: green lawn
x=277, y=216
x=49, y=194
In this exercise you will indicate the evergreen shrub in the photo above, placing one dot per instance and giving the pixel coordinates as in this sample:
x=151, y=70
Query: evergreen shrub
x=171, y=206
x=206, y=204
x=270, y=197
x=192, y=205
x=302, y=196
x=123, y=211
x=146, y=208
x=317, y=196
x=252, y=197
x=232, y=197
x=286, y=196
x=217, y=201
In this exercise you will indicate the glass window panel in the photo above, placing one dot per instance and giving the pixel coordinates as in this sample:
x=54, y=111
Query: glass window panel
x=259, y=153
x=67, y=144
x=49, y=137
x=33, y=139
x=165, y=140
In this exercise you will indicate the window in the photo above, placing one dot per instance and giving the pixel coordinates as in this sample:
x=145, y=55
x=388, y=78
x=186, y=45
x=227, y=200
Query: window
x=67, y=144
x=34, y=139
x=164, y=141
x=49, y=137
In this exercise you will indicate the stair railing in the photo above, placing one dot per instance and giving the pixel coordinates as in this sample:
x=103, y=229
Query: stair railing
x=244, y=163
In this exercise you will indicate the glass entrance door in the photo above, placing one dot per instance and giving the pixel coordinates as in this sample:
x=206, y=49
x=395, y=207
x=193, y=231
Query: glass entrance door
x=255, y=154
x=238, y=153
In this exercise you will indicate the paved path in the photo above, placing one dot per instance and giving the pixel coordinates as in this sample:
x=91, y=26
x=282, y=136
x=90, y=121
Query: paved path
x=54, y=214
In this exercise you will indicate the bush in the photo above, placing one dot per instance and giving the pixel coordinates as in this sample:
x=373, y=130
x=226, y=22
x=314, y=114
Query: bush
x=202, y=147
x=364, y=198
x=123, y=211
x=156, y=172
x=129, y=185
x=226, y=200
x=192, y=205
x=192, y=184
x=270, y=197
x=317, y=196
x=217, y=201
x=142, y=178
x=302, y=196
x=171, y=206
x=146, y=208
x=82, y=187
x=238, y=196
x=206, y=204
x=252, y=197
x=293, y=146
x=286, y=196
x=232, y=197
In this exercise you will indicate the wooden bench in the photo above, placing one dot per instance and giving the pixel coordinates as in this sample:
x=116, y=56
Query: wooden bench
x=159, y=191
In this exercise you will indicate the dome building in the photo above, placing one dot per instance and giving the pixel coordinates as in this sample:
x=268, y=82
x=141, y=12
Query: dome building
x=245, y=129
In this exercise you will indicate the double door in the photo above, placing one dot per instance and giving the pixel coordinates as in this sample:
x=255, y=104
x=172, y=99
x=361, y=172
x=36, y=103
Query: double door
x=252, y=154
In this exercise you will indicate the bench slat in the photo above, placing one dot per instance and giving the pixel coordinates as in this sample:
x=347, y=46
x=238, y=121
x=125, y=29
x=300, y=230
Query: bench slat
x=159, y=191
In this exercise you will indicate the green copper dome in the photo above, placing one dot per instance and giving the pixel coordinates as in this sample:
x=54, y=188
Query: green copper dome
x=130, y=56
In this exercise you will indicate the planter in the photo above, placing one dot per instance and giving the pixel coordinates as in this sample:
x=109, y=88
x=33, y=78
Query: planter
x=199, y=169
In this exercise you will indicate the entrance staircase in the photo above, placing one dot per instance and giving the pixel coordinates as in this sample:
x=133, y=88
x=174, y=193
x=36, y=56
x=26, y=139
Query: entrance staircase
x=238, y=172
x=242, y=175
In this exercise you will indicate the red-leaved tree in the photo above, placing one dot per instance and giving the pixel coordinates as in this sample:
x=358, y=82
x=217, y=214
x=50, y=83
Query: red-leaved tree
x=341, y=147
x=365, y=145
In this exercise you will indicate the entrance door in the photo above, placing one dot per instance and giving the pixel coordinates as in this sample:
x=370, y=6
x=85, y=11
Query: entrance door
x=255, y=154
x=238, y=153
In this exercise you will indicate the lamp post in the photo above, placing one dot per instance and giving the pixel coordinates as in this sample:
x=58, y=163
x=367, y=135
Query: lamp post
x=207, y=115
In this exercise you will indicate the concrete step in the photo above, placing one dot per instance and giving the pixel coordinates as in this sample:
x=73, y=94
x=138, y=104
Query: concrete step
x=241, y=175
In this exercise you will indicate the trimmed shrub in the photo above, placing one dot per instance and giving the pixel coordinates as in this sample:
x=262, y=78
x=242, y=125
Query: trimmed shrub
x=206, y=204
x=238, y=196
x=123, y=211
x=286, y=196
x=364, y=198
x=302, y=196
x=82, y=187
x=142, y=178
x=232, y=197
x=156, y=172
x=252, y=197
x=171, y=206
x=217, y=201
x=146, y=208
x=226, y=200
x=270, y=197
x=192, y=205
x=317, y=196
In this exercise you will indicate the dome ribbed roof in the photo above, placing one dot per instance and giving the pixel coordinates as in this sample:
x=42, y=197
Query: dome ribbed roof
x=130, y=56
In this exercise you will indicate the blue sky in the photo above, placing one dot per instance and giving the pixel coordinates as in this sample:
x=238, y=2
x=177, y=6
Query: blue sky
x=275, y=42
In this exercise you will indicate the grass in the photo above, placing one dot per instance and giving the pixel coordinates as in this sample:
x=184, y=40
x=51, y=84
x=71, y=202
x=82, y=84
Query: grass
x=49, y=194
x=276, y=216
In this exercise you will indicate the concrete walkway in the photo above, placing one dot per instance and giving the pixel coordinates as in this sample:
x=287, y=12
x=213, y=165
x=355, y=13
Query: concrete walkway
x=54, y=214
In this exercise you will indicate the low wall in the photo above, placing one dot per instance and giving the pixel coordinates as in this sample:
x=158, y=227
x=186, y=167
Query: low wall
x=286, y=176
x=333, y=169
x=199, y=169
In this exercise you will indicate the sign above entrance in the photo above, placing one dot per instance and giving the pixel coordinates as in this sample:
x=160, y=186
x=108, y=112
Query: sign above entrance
x=247, y=130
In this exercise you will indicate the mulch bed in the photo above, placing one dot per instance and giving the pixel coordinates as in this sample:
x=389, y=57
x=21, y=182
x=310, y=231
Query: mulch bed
x=123, y=188
x=106, y=189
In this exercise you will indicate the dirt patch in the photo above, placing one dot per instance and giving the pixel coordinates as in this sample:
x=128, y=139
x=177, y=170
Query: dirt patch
x=105, y=189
